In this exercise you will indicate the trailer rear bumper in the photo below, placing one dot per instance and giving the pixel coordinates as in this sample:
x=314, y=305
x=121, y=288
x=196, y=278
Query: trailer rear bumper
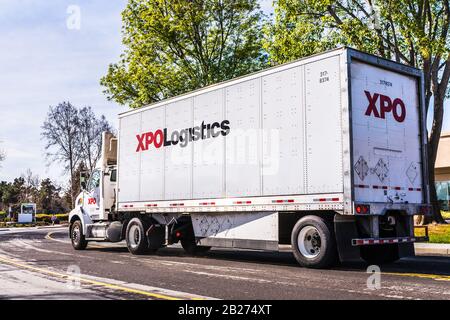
x=378, y=241
x=353, y=235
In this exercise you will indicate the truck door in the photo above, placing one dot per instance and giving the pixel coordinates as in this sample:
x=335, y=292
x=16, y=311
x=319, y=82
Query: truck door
x=386, y=123
x=109, y=189
x=92, y=198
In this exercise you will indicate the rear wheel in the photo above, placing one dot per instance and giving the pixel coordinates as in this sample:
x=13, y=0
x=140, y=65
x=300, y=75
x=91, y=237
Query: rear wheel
x=313, y=242
x=136, y=237
x=77, y=237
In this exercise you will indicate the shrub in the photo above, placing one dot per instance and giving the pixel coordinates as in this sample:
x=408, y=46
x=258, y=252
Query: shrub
x=48, y=217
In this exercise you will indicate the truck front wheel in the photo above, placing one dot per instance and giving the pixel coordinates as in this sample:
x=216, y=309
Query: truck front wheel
x=77, y=237
x=136, y=237
x=313, y=242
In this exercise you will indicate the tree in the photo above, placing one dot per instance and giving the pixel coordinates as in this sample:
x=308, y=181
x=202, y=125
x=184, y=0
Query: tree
x=67, y=197
x=2, y=155
x=4, y=186
x=414, y=32
x=49, y=200
x=176, y=46
x=12, y=193
x=91, y=129
x=31, y=186
x=61, y=130
x=73, y=136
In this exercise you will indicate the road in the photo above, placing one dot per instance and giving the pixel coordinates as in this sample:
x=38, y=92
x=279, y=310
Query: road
x=41, y=264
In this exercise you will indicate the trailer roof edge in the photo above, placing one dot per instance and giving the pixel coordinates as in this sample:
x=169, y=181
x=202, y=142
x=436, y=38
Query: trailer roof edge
x=354, y=53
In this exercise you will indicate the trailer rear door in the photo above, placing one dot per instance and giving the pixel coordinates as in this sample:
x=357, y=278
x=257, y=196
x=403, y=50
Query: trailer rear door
x=386, y=135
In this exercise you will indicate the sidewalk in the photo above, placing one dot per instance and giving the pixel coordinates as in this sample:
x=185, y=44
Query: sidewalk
x=441, y=249
x=27, y=229
x=53, y=226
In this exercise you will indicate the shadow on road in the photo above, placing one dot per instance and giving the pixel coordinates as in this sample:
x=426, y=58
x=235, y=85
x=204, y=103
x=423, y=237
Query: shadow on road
x=419, y=264
x=438, y=265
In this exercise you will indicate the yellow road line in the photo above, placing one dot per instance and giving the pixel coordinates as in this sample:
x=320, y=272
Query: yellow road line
x=49, y=237
x=416, y=275
x=420, y=275
x=92, y=282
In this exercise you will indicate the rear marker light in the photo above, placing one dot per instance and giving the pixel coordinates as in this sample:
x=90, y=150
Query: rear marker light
x=362, y=209
x=283, y=201
x=242, y=202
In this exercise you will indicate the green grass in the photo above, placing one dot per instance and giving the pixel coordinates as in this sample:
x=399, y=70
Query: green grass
x=438, y=233
x=445, y=214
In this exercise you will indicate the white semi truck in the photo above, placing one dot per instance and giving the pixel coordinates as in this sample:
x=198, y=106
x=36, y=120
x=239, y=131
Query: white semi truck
x=326, y=154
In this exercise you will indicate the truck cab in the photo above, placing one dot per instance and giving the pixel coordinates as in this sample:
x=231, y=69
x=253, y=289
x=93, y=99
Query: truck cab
x=98, y=193
x=95, y=205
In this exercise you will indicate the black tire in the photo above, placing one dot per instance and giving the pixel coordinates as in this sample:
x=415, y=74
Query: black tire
x=318, y=242
x=77, y=237
x=136, y=237
x=380, y=254
x=190, y=246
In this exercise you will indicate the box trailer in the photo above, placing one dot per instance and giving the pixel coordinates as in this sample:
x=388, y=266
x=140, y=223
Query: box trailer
x=327, y=154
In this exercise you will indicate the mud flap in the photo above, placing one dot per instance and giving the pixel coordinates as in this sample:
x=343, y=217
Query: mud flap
x=345, y=230
x=405, y=228
x=156, y=236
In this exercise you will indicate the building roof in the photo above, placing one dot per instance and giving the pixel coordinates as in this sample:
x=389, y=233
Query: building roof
x=443, y=154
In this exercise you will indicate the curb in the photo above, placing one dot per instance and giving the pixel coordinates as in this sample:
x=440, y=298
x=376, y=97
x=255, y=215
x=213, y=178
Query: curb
x=440, y=249
x=53, y=227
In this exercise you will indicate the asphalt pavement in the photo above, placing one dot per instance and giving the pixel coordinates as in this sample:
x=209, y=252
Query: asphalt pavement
x=41, y=264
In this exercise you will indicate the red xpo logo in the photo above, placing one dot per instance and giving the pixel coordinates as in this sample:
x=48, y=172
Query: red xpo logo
x=397, y=107
x=162, y=138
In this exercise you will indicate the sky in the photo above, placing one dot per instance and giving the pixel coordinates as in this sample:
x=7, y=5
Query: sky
x=47, y=56
x=54, y=51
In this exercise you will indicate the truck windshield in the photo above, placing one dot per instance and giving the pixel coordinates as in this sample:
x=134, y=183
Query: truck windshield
x=94, y=182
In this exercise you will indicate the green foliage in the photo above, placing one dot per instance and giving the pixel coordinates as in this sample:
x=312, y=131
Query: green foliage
x=48, y=197
x=406, y=31
x=30, y=189
x=176, y=46
x=11, y=192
